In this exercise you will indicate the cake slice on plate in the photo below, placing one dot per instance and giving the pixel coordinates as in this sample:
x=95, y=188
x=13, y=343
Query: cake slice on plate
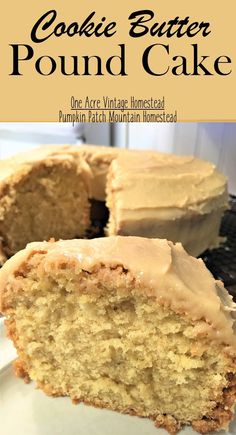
x=131, y=324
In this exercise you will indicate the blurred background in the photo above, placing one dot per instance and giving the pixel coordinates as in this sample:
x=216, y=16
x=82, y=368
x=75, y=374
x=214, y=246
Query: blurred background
x=215, y=142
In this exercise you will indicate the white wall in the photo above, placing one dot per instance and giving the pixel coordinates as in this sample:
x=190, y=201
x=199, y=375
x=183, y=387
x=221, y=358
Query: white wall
x=16, y=137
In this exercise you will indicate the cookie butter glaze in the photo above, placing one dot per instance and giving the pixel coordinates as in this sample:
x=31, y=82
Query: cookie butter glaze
x=155, y=185
x=164, y=270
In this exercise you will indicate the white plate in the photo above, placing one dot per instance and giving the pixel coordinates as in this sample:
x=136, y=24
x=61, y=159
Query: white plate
x=27, y=411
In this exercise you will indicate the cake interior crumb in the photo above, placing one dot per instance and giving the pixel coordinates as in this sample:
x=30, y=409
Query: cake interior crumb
x=97, y=337
x=50, y=200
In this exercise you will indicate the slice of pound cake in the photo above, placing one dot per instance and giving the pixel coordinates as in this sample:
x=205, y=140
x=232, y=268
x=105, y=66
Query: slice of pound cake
x=127, y=323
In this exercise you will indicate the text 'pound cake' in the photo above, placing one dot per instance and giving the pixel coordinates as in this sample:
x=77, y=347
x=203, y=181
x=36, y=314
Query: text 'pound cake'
x=61, y=191
x=131, y=324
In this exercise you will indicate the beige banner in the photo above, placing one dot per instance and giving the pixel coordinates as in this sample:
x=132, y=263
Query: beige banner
x=79, y=62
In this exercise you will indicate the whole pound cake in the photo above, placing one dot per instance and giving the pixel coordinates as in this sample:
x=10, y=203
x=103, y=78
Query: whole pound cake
x=60, y=191
x=131, y=324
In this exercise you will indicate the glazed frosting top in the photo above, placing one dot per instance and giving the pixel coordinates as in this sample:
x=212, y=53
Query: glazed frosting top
x=166, y=271
x=164, y=186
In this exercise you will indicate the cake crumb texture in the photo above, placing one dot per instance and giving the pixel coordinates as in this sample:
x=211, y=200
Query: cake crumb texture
x=101, y=336
x=48, y=199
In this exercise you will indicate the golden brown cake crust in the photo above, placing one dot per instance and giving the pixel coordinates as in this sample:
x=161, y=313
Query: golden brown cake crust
x=20, y=370
x=221, y=415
